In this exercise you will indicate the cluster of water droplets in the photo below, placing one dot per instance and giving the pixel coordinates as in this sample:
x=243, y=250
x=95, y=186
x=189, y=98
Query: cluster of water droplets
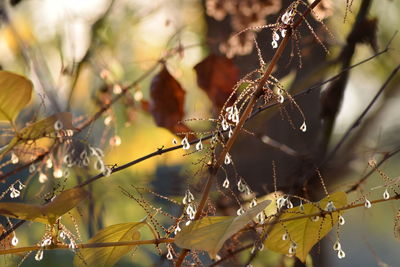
x=190, y=206
x=243, y=188
x=284, y=201
x=16, y=192
x=337, y=247
x=287, y=18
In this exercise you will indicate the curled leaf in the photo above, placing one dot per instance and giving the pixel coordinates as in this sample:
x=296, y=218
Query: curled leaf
x=210, y=233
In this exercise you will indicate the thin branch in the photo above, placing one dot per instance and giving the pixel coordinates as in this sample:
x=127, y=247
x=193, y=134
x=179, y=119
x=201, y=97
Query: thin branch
x=362, y=115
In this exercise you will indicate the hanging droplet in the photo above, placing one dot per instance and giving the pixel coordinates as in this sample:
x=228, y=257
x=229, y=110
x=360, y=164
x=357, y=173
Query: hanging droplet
x=285, y=236
x=185, y=143
x=337, y=245
x=177, y=229
x=117, y=89
x=341, y=220
x=274, y=44
x=253, y=203
x=341, y=254
x=224, y=125
x=169, y=254
x=58, y=125
x=199, y=145
x=14, y=241
x=57, y=173
x=303, y=127
x=330, y=206
x=289, y=204
x=367, y=204
x=108, y=120
x=39, y=255
x=32, y=168
x=301, y=207
x=283, y=33
x=275, y=36
x=228, y=159
x=46, y=242
x=241, y=186
x=230, y=133
x=14, y=192
x=174, y=142
x=188, y=222
x=260, y=218
x=226, y=183
x=240, y=211
x=62, y=235
x=115, y=141
x=42, y=178
x=281, y=99
x=292, y=248
x=315, y=218
x=280, y=202
x=107, y=171
x=261, y=247
x=386, y=194
x=49, y=163
x=14, y=158
x=138, y=96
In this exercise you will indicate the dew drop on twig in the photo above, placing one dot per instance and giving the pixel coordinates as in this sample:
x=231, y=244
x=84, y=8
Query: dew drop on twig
x=386, y=194
x=303, y=127
x=367, y=204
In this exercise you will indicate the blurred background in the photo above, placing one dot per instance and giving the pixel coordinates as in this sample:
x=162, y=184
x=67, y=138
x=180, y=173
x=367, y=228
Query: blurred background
x=80, y=53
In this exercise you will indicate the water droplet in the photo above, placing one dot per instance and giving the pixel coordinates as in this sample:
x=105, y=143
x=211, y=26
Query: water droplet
x=115, y=141
x=188, y=222
x=226, y=183
x=261, y=218
x=228, y=159
x=292, y=248
x=185, y=143
x=274, y=44
x=57, y=173
x=174, y=142
x=108, y=120
x=275, y=36
x=199, y=145
x=230, y=133
x=107, y=171
x=330, y=206
x=303, y=127
x=341, y=254
x=283, y=33
x=14, y=158
x=241, y=186
x=14, y=192
x=14, y=241
x=337, y=245
x=281, y=99
x=177, y=229
x=341, y=220
x=289, y=204
x=49, y=163
x=42, y=178
x=58, y=125
x=315, y=218
x=240, y=211
x=62, y=235
x=32, y=168
x=301, y=207
x=367, y=204
x=72, y=245
x=224, y=125
x=285, y=236
x=117, y=89
x=386, y=194
x=169, y=254
x=253, y=203
x=39, y=255
x=138, y=96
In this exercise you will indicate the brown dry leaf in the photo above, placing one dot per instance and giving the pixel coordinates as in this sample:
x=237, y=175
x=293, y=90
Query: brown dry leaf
x=217, y=75
x=167, y=102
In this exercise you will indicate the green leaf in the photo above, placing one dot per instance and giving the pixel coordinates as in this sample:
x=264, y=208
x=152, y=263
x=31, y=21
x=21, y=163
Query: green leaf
x=47, y=213
x=15, y=94
x=210, y=233
x=108, y=256
x=305, y=232
x=39, y=129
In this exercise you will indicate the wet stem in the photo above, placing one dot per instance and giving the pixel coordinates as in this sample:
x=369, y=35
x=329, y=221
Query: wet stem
x=247, y=112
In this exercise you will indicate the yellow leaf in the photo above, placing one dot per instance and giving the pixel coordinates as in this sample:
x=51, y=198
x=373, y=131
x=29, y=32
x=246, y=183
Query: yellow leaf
x=210, y=233
x=15, y=94
x=305, y=232
x=47, y=213
x=108, y=256
x=39, y=129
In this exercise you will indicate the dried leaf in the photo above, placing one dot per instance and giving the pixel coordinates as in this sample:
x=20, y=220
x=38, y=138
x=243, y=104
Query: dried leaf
x=304, y=232
x=210, y=233
x=108, y=256
x=217, y=75
x=167, y=102
x=47, y=213
x=15, y=94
